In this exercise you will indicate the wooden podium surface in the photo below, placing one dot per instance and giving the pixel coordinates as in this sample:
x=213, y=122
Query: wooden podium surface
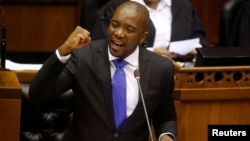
x=211, y=96
x=10, y=106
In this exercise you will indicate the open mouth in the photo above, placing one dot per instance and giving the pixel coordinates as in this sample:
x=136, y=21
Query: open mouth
x=117, y=44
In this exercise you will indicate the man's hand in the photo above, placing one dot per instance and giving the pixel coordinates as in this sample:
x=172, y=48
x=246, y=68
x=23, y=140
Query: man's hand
x=80, y=37
x=189, y=57
x=166, y=138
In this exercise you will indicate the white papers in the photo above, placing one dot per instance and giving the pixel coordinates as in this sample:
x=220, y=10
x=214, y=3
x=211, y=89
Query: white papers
x=185, y=46
x=150, y=49
x=19, y=66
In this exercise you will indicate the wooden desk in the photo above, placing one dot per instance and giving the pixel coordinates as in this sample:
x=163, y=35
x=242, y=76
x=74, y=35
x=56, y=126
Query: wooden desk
x=10, y=106
x=211, y=95
x=25, y=76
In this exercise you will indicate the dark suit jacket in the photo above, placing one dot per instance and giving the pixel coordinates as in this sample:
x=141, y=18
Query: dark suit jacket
x=185, y=23
x=88, y=74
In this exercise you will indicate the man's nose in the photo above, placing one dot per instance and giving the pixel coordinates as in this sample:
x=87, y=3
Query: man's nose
x=119, y=32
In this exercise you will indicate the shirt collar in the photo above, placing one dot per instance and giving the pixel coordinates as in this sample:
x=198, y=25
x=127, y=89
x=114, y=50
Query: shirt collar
x=131, y=59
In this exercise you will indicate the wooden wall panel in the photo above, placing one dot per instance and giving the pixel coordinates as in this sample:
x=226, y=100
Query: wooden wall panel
x=39, y=27
x=209, y=12
x=43, y=27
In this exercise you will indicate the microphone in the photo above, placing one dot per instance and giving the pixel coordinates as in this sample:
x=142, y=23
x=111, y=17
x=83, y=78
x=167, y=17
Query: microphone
x=3, y=41
x=137, y=77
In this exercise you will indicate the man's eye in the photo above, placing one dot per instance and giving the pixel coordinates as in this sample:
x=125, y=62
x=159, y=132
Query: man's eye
x=114, y=24
x=130, y=30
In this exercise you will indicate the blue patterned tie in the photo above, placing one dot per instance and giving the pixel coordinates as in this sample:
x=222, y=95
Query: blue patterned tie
x=119, y=92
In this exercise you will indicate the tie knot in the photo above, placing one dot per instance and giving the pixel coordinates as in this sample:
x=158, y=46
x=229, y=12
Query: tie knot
x=120, y=63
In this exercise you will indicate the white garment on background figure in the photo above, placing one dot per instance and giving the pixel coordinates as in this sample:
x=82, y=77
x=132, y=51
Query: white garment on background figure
x=162, y=20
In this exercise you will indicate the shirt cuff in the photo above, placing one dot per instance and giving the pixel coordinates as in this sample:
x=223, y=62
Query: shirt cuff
x=62, y=59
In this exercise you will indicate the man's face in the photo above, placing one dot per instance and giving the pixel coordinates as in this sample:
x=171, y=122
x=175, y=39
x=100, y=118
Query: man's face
x=126, y=30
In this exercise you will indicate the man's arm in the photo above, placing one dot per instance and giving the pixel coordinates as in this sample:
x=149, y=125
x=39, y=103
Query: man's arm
x=46, y=85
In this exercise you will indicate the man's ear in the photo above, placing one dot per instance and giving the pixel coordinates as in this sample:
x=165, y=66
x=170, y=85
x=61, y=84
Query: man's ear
x=144, y=37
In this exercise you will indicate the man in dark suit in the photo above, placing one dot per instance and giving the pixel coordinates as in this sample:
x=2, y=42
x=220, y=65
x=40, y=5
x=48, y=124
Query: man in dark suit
x=185, y=25
x=87, y=67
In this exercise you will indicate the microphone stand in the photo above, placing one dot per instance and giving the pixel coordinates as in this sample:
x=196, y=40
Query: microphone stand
x=137, y=77
x=3, y=42
x=3, y=46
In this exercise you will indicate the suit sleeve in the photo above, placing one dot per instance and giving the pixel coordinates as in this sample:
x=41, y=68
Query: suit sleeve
x=165, y=120
x=47, y=83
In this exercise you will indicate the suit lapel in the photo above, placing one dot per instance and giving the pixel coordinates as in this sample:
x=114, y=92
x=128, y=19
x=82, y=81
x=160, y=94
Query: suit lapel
x=103, y=70
x=144, y=69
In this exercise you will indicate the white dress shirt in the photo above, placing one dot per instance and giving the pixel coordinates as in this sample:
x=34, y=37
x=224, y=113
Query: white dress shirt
x=131, y=82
